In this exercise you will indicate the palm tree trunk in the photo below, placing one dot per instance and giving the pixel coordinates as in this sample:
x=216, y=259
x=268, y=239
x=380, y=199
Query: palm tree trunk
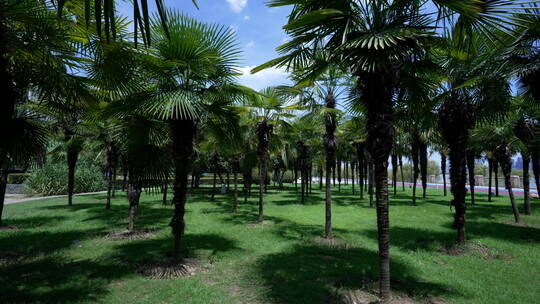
x=346, y=172
x=264, y=130
x=334, y=175
x=213, y=187
x=360, y=155
x=165, y=190
x=456, y=117
x=328, y=201
x=490, y=176
x=3, y=184
x=72, y=157
x=401, y=172
x=423, y=166
x=504, y=158
x=352, y=175
x=111, y=167
x=133, y=195
x=115, y=167
x=496, y=170
x=320, y=177
x=394, y=172
x=235, y=193
x=338, y=166
x=378, y=93
x=371, y=181
x=443, y=171
x=526, y=197
x=415, y=151
x=182, y=132
x=330, y=146
x=470, y=169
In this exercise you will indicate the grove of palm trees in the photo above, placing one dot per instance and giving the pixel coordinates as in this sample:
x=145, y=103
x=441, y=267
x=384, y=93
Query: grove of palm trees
x=396, y=161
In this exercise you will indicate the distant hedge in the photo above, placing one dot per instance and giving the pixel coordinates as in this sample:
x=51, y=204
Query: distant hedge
x=51, y=179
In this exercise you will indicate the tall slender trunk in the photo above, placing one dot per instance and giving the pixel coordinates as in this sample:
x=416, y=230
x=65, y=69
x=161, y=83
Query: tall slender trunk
x=134, y=190
x=330, y=146
x=111, y=168
x=113, y=194
x=394, y=171
x=504, y=157
x=10, y=94
x=443, y=171
x=320, y=177
x=526, y=196
x=3, y=184
x=334, y=175
x=415, y=151
x=72, y=156
x=496, y=171
x=360, y=155
x=264, y=130
x=377, y=88
x=346, y=172
x=423, y=166
x=235, y=193
x=182, y=132
x=124, y=173
x=328, y=201
x=371, y=181
x=338, y=166
x=490, y=177
x=213, y=187
x=352, y=175
x=470, y=169
x=165, y=190
x=401, y=172
x=456, y=117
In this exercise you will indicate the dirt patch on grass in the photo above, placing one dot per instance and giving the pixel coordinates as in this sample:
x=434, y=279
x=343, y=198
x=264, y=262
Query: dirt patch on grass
x=8, y=228
x=476, y=249
x=260, y=224
x=169, y=269
x=331, y=242
x=11, y=257
x=371, y=297
x=125, y=235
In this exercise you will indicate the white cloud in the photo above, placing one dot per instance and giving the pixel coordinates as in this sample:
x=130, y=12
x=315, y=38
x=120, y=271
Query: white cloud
x=250, y=44
x=246, y=17
x=237, y=5
x=265, y=78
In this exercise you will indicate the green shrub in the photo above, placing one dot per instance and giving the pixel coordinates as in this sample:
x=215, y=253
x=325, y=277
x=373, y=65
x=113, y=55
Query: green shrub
x=17, y=178
x=51, y=179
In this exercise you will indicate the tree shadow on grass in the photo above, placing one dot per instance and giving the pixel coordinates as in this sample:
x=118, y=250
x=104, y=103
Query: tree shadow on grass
x=311, y=274
x=32, y=222
x=414, y=239
x=193, y=245
x=28, y=243
x=56, y=280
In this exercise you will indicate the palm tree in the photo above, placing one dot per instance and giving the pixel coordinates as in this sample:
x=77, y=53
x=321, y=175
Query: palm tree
x=145, y=144
x=28, y=64
x=269, y=109
x=373, y=38
x=194, y=76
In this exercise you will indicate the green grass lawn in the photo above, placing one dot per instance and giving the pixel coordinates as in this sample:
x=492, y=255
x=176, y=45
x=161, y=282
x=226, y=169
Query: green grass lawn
x=59, y=253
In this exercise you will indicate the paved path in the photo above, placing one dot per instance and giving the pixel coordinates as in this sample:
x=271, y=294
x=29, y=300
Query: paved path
x=13, y=199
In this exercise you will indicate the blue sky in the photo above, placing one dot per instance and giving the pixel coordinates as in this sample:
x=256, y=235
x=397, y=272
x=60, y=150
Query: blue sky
x=259, y=30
